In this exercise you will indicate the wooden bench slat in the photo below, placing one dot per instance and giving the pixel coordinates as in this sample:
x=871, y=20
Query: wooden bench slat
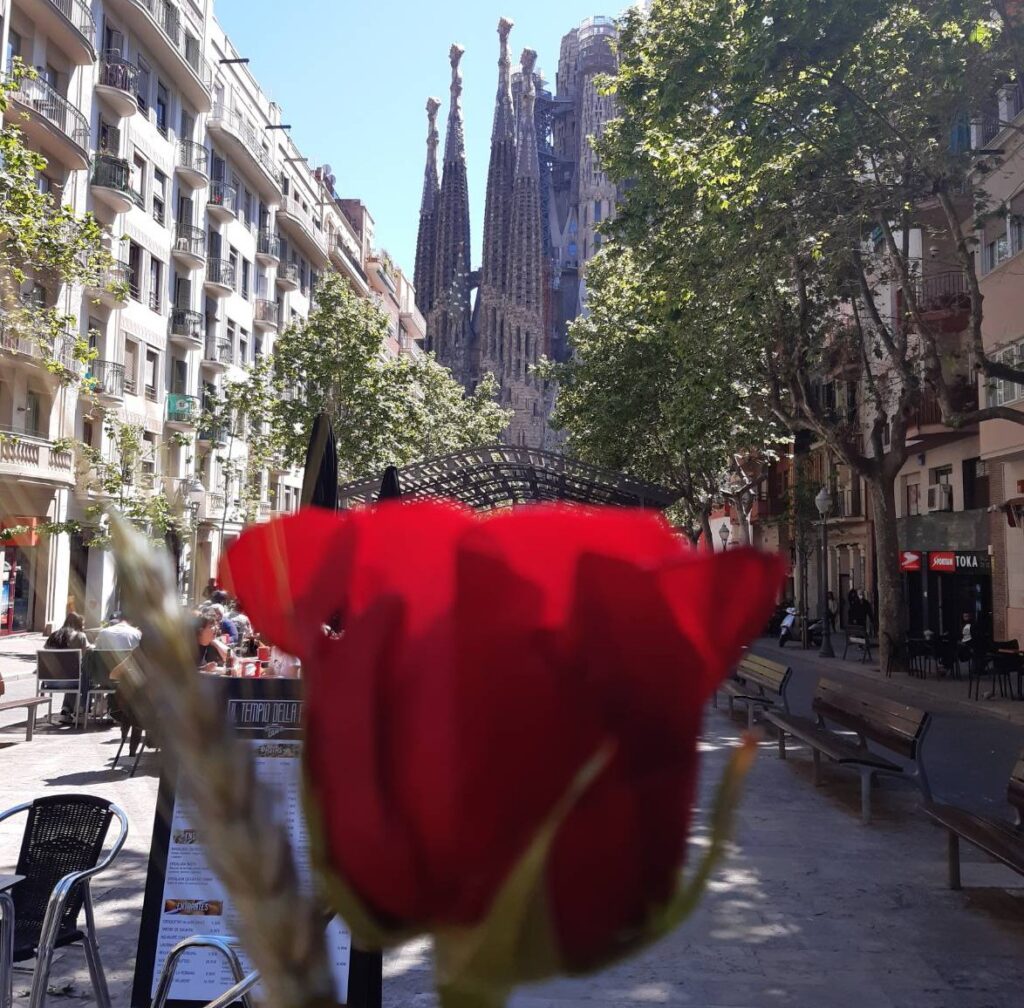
x=836, y=747
x=996, y=838
x=1015, y=789
x=27, y=702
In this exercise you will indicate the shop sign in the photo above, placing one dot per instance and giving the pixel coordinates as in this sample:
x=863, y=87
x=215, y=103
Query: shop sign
x=951, y=562
x=910, y=561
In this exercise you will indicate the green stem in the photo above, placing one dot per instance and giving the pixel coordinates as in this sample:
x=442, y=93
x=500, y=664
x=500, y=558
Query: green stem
x=452, y=996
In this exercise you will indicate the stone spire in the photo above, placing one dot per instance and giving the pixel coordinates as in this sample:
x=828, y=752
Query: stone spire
x=525, y=335
x=426, y=241
x=501, y=172
x=451, y=329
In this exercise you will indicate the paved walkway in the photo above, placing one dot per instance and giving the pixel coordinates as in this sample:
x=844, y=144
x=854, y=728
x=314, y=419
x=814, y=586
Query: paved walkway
x=811, y=910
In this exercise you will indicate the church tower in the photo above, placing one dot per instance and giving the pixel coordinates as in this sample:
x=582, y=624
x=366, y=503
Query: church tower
x=498, y=213
x=524, y=313
x=449, y=324
x=426, y=240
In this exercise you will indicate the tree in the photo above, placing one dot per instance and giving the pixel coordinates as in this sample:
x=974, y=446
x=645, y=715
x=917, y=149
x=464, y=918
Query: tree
x=653, y=389
x=384, y=410
x=783, y=155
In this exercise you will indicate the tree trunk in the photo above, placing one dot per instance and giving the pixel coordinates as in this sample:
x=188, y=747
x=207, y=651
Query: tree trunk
x=891, y=605
x=705, y=527
x=744, y=516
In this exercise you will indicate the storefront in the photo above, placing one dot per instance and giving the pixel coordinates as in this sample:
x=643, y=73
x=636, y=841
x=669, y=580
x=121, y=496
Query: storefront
x=18, y=573
x=942, y=585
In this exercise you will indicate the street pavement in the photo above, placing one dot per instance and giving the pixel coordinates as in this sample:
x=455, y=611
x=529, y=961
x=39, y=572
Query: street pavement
x=811, y=908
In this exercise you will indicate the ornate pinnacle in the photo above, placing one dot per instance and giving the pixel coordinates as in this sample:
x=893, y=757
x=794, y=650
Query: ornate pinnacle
x=529, y=62
x=433, y=104
x=505, y=26
x=455, y=57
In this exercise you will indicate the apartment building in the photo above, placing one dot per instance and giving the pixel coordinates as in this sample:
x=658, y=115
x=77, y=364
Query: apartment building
x=220, y=229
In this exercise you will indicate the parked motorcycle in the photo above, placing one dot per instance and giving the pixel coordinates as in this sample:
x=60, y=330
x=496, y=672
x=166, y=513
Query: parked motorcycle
x=790, y=629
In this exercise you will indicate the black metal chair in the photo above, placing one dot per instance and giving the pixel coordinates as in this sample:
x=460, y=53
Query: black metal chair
x=97, y=667
x=60, y=671
x=897, y=654
x=61, y=851
x=133, y=733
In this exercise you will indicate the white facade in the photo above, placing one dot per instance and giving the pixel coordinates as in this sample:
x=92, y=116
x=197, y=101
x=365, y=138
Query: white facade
x=220, y=228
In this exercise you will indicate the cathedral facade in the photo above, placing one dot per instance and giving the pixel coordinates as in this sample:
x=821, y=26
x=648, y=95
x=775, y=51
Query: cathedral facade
x=545, y=197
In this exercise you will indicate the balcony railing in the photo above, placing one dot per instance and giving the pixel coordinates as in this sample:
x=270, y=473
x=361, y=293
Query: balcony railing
x=187, y=323
x=848, y=503
x=32, y=451
x=190, y=240
x=265, y=310
x=155, y=300
x=193, y=156
x=107, y=377
x=944, y=292
x=44, y=101
x=111, y=173
x=168, y=18
x=292, y=208
x=182, y=408
x=288, y=272
x=268, y=244
x=79, y=14
x=220, y=271
x=233, y=120
x=117, y=72
x=223, y=195
x=218, y=351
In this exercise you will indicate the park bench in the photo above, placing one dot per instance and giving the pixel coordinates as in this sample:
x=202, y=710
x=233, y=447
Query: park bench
x=858, y=636
x=861, y=717
x=999, y=838
x=758, y=682
x=31, y=704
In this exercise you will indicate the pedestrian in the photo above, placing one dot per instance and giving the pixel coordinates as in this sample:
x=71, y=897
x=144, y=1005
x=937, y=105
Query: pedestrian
x=70, y=637
x=832, y=608
x=854, y=609
x=118, y=635
x=211, y=651
x=867, y=611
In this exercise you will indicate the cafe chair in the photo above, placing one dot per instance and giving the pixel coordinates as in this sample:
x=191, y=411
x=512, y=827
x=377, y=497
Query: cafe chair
x=60, y=671
x=223, y=946
x=97, y=667
x=61, y=852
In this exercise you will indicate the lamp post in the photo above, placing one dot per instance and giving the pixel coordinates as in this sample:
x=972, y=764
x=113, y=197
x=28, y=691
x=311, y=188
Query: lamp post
x=724, y=533
x=194, y=495
x=823, y=502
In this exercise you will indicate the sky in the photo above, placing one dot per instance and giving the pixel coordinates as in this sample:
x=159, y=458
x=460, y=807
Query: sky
x=353, y=79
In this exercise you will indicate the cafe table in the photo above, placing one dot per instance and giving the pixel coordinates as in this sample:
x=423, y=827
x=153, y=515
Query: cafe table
x=7, y=882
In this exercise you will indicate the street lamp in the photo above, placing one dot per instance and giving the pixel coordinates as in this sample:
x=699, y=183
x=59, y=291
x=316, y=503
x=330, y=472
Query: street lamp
x=724, y=533
x=823, y=502
x=194, y=495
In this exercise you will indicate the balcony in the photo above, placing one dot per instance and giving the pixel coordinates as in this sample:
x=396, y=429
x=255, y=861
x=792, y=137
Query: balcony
x=246, y=144
x=29, y=456
x=159, y=27
x=288, y=276
x=848, y=504
x=68, y=23
x=217, y=354
x=211, y=507
x=264, y=314
x=294, y=218
x=113, y=286
x=117, y=84
x=192, y=163
x=220, y=278
x=110, y=182
x=107, y=379
x=189, y=246
x=927, y=420
x=268, y=248
x=186, y=328
x=213, y=436
x=52, y=124
x=182, y=410
x=222, y=203
x=349, y=265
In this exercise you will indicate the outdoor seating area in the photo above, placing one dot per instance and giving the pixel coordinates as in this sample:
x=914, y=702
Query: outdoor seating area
x=997, y=663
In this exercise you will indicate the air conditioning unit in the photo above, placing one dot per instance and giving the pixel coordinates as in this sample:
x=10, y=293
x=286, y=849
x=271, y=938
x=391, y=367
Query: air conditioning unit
x=940, y=497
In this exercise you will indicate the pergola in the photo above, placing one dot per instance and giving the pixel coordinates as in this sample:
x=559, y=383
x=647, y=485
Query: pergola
x=501, y=476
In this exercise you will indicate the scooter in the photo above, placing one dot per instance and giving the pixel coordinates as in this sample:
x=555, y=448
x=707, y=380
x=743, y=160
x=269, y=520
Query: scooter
x=787, y=626
x=789, y=630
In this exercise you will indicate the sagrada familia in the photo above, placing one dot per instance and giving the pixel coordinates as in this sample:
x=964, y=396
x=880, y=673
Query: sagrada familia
x=545, y=194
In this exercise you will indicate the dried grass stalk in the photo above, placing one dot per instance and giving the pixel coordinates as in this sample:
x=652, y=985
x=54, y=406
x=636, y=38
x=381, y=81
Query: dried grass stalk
x=281, y=929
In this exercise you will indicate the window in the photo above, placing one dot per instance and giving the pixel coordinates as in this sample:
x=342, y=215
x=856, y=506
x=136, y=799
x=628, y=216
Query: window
x=148, y=455
x=113, y=40
x=135, y=270
x=243, y=347
x=110, y=139
x=163, y=104
x=138, y=180
x=598, y=206
x=156, y=285
x=152, y=374
x=995, y=252
x=131, y=367
x=976, y=493
x=233, y=260
x=231, y=334
x=179, y=377
x=243, y=205
x=1000, y=390
x=142, y=84
x=159, y=196
x=913, y=499
x=33, y=414
x=1016, y=234
x=13, y=46
x=187, y=126
x=942, y=475
x=246, y=276
x=257, y=346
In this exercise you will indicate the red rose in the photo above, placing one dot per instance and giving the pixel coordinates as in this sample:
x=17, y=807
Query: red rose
x=484, y=663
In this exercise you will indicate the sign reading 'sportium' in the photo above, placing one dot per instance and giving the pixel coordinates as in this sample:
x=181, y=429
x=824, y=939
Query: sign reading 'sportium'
x=953, y=562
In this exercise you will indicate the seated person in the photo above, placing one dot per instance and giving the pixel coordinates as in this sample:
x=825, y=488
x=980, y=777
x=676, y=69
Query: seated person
x=211, y=651
x=70, y=637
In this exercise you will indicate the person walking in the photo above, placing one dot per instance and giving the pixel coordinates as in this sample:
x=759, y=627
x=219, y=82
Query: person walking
x=832, y=607
x=69, y=637
x=854, y=609
x=868, y=611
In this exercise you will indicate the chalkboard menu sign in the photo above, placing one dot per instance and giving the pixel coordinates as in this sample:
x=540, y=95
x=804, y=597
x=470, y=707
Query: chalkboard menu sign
x=184, y=897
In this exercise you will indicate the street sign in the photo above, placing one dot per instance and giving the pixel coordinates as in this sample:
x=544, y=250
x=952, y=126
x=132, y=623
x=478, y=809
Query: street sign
x=960, y=562
x=910, y=561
